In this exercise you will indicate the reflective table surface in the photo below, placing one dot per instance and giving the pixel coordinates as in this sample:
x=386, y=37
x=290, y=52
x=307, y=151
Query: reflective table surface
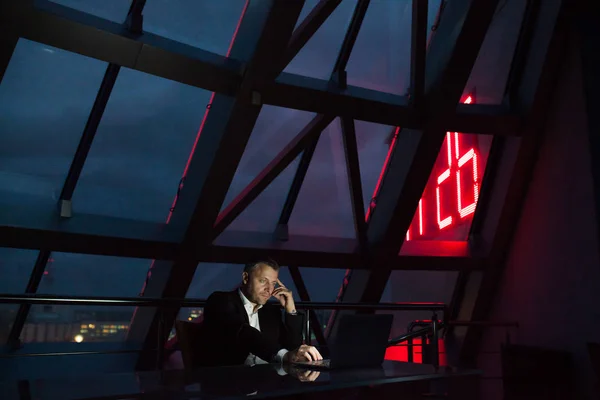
x=260, y=381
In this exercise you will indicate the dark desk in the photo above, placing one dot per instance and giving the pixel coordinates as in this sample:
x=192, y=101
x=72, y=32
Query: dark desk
x=262, y=381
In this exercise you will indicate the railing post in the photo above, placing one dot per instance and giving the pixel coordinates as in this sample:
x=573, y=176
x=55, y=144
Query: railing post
x=308, y=339
x=160, y=351
x=435, y=344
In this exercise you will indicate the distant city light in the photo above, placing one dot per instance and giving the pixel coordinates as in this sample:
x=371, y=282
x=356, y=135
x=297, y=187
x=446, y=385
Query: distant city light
x=78, y=338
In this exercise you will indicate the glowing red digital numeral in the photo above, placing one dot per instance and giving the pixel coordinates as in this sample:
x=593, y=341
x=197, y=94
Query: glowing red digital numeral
x=462, y=160
x=420, y=221
x=442, y=223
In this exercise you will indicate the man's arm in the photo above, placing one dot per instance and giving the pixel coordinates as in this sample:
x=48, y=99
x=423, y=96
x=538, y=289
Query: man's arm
x=222, y=319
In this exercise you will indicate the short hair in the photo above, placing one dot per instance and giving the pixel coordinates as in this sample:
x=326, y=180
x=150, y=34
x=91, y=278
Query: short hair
x=248, y=268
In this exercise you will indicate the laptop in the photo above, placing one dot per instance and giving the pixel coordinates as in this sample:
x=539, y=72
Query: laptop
x=361, y=342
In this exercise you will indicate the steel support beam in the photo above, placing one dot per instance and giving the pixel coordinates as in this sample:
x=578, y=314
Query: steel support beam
x=85, y=143
x=281, y=231
x=302, y=142
x=350, y=38
x=418, y=52
x=355, y=184
x=262, y=37
x=533, y=97
x=49, y=23
x=35, y=278
x=87, y=234
x=590, y=60
x=325, y=97
x=307, y=28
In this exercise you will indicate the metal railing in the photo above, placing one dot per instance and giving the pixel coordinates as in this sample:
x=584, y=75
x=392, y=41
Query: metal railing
x=431, y=328
x=163, y=303
x=175, y=303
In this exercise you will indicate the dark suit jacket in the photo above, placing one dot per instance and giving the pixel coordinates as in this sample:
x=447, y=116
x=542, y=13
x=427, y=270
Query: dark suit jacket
x=231, y=338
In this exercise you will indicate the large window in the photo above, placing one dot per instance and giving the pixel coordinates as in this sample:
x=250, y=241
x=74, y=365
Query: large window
x=85, y=275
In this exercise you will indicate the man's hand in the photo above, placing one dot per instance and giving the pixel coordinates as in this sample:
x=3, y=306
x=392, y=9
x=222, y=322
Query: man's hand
x=285, y=297
x=303, y=353
x=303, y=375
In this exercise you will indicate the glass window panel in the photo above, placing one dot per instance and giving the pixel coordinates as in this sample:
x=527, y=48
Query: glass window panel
x=263, y=213
x=76, y=324
x=16, y=266
x=274, y=129
x=141, y=148
x=417, y=287
x=317, y=57
x=373, y=142
x=324, y=207
x=209, y=25
x=323, y=285
x=87, y=275
x=490, y=72
x=45, y=99
x=309, y=5
x=114, y=10
x=386, y=66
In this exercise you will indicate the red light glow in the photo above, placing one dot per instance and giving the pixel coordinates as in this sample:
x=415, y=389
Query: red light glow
x=458, y=162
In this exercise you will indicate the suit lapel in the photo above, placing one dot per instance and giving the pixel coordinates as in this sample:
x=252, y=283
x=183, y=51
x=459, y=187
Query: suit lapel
x=239, y=305
x=267, y=323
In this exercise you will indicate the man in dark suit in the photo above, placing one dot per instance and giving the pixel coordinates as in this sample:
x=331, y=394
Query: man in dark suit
x=243, y=329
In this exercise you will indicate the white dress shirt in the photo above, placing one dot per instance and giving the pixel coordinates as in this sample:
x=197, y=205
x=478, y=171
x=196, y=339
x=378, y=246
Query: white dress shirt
x=255, y=323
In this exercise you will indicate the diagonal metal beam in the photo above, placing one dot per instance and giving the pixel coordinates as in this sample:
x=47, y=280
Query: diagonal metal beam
x=133, y=22
x=307, y=28
x=355, y=182
x=533, y=97
x=350, y=38
x=310, y=134
x=49, y=23
x=418, y=51
x=34, y=282
x=262, y=36
x=85, y=143
x=292, y=196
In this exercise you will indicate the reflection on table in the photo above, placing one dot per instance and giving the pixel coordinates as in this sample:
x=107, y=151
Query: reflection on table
x=259, y=381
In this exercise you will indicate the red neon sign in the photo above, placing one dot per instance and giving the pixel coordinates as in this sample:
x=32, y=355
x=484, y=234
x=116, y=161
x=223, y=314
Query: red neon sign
x=451, y=195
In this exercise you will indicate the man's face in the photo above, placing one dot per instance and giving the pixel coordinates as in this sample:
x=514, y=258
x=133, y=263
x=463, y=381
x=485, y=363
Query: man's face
x=260, y=283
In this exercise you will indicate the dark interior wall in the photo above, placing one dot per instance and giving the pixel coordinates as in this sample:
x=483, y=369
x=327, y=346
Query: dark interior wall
x=551, y=284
